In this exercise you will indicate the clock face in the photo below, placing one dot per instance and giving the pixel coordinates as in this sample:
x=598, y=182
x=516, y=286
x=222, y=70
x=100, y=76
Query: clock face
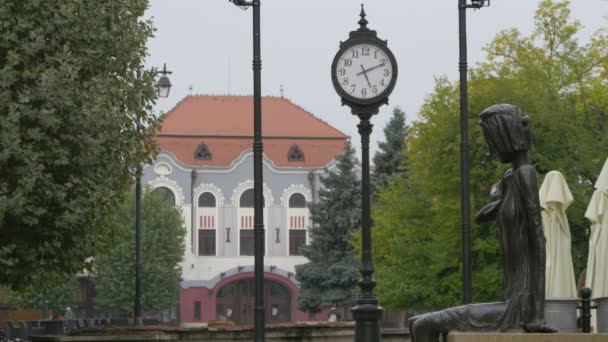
x=364, y=71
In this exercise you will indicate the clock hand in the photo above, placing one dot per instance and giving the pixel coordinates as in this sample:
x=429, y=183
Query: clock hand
x=365, y=74
x=372, y=68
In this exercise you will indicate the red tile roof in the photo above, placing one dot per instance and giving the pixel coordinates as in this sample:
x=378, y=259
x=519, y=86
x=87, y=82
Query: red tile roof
x=225, y=125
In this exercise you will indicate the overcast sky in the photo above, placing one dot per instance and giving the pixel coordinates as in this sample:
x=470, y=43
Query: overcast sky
x=208, y=46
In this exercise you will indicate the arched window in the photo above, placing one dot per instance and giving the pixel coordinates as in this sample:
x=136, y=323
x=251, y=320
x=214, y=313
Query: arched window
x=297, y=222
x=246, y=220
x=206, y=200
x=207, y=224
x=297, y=200
x=167, y=194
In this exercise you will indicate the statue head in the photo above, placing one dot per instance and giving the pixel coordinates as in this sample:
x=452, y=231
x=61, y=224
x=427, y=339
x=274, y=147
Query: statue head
x=506, y=130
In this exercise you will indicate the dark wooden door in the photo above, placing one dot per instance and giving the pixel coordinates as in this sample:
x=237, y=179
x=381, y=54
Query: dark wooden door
x=236, y=302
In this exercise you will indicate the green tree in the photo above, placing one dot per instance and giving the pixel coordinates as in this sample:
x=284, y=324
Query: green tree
x=562, y=86
x=57, y=297
x=331, y=274
x=390, y=158
x=71, y=99
x=162, y=241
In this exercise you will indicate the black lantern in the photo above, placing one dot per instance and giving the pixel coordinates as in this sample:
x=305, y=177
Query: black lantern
x=479, y=3
x=164, y=85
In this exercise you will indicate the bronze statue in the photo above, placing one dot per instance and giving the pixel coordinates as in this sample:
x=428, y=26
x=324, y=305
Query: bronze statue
x=516, y=208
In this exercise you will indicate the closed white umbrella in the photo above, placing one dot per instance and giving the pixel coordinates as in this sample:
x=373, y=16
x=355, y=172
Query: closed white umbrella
x=555, y=198
x=602, y=180
x=597, y=213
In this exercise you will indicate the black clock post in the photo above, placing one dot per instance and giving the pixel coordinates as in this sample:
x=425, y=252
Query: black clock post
x=367, y=311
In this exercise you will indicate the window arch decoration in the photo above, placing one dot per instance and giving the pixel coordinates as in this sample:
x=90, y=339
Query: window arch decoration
x=241, y=187
x=295, y=154
x=167, y=195
x=202, y=152
x=217, y=192
x=292, y=189
x=172, y=185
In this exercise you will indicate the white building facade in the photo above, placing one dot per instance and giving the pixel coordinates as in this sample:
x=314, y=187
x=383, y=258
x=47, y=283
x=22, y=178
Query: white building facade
x=206, y=166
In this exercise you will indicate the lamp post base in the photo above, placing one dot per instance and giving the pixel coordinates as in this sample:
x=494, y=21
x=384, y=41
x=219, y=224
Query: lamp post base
x=367, y=322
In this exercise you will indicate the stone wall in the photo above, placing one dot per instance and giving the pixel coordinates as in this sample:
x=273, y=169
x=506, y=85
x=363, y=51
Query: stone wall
x=304, y=332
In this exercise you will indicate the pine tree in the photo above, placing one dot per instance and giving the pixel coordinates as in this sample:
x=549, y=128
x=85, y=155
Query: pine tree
x=330, y=276
x=389, y=160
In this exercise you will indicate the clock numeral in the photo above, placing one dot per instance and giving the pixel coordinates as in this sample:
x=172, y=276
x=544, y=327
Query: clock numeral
x=364, y=92
x=383, y=61
x=375, y=90
x=355, y=53
x=345, y=81
x=342, y=71
x=382, y=83
x=348, y=62
x=387, y=72
x=375, y=54
x=365, y=51
x=354, y=86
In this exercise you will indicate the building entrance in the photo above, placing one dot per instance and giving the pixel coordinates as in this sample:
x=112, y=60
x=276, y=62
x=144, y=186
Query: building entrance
x=236, y=302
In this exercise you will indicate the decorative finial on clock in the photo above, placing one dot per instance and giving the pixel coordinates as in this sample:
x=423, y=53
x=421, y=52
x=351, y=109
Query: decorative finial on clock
x=363, y=22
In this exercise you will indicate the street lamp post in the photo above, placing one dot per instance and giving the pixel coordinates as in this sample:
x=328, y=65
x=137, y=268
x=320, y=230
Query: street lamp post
x=257, y=171
x=163, y=86
x=465, y=210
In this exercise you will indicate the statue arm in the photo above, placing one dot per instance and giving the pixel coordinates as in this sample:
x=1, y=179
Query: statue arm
x=488, y=212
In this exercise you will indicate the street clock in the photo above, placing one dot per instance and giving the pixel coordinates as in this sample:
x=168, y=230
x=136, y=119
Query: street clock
x=364, y=71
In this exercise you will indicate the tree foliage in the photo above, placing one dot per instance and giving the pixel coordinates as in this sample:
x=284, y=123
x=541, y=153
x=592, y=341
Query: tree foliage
x=71, y=100
x=331, y=274
x=561, y=85
x=389, y=160
x=162, y=245
x=57, y=296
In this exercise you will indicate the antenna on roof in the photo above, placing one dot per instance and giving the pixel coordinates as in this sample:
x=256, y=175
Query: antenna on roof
x=282, y=91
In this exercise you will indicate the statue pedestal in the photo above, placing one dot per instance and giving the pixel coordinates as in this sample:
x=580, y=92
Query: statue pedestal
x=521, y=337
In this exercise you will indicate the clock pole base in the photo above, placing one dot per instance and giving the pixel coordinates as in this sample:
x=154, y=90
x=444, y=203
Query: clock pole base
x=367, y=322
